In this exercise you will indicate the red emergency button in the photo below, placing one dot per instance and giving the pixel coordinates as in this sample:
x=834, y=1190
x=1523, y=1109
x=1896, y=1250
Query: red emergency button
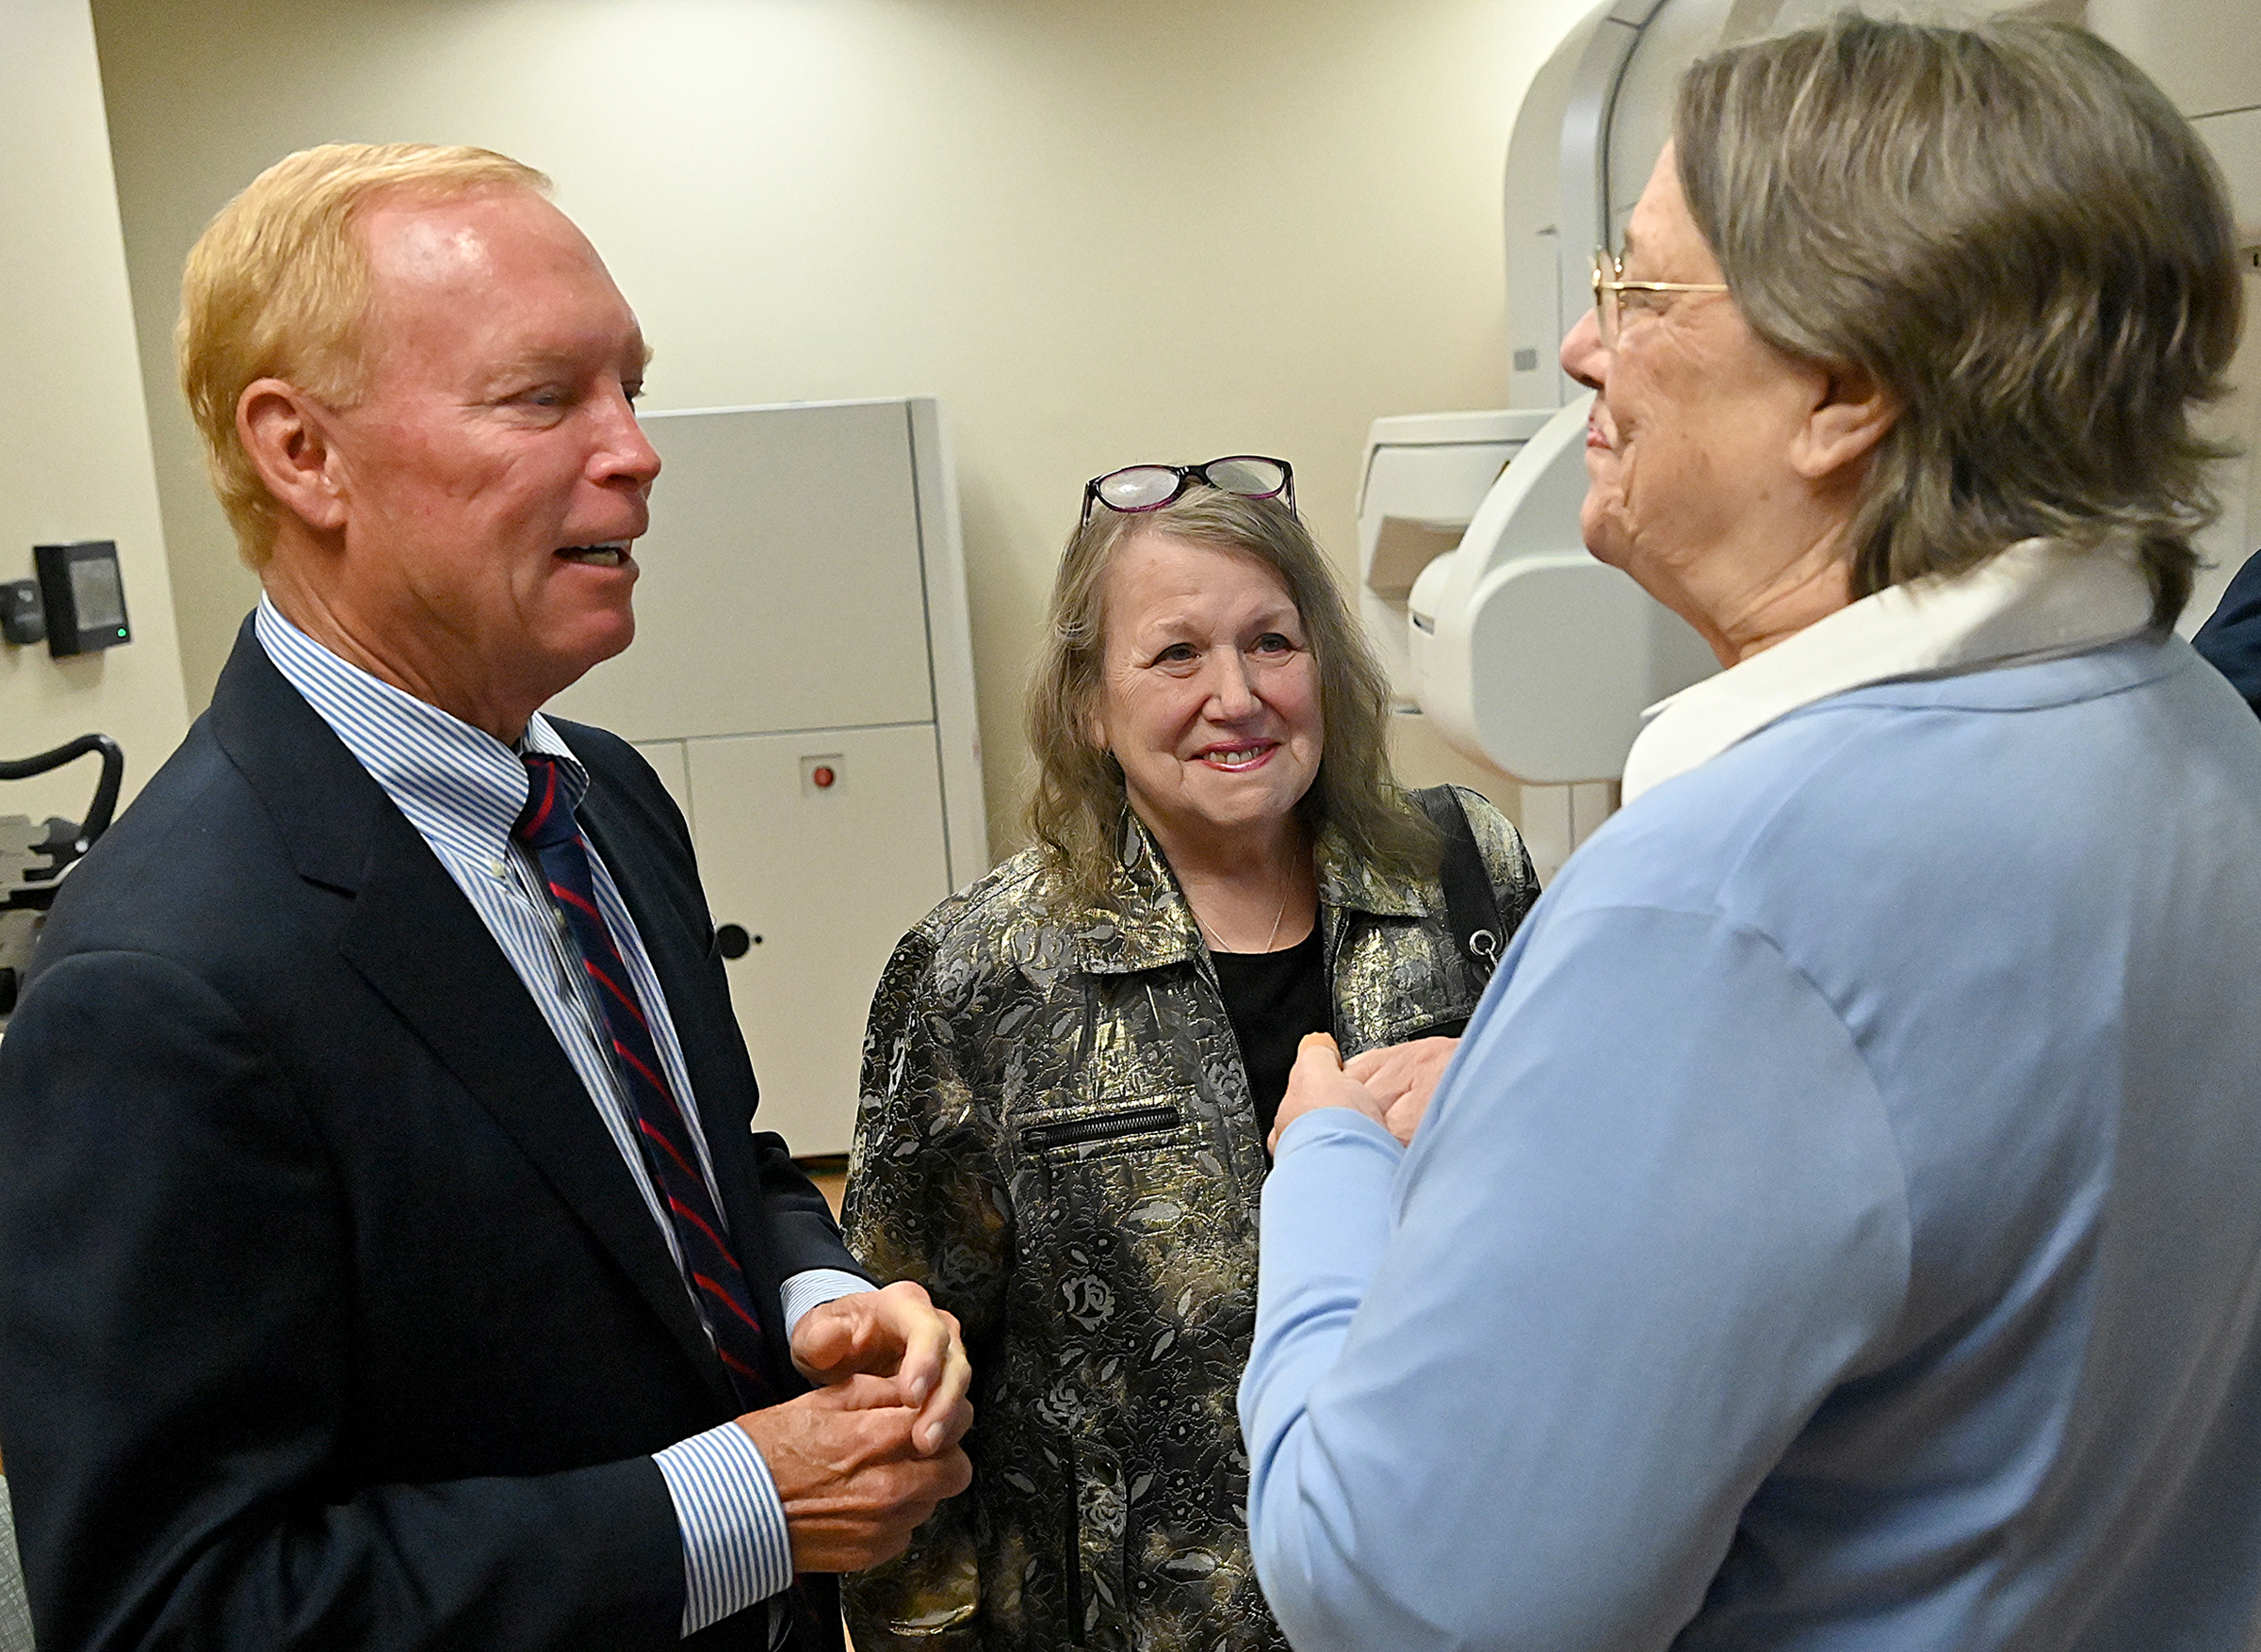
x=821, y=775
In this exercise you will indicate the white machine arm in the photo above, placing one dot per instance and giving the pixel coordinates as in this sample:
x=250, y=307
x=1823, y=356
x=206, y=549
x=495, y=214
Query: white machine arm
x=1525, y=650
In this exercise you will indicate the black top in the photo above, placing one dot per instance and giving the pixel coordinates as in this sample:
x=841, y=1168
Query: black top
x=1273, y=999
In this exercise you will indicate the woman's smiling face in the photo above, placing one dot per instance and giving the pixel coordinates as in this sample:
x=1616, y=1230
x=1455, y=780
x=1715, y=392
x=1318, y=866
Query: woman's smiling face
x=1209, y=695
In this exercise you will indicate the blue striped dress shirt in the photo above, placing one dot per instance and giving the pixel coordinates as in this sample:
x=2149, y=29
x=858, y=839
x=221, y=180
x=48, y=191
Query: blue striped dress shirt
x=461, y=789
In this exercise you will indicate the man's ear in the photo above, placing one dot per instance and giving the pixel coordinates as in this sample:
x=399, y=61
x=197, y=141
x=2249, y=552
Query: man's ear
x=283, y=431
x=1849, y=415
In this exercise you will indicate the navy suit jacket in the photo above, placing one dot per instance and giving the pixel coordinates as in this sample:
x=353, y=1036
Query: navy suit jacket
x=330, y=1314
x=2231, y=640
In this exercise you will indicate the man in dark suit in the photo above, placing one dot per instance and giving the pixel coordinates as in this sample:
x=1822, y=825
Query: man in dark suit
x=386, y=1259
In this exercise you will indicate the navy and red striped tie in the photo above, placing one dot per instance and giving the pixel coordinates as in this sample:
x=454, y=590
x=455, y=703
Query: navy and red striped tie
x=718, y=1286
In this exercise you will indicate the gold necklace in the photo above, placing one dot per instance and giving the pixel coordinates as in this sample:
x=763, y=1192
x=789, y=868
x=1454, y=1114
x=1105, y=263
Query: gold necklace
x=1216, y=940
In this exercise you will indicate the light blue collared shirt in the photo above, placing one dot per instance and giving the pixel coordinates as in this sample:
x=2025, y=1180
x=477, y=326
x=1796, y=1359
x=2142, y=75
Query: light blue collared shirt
x=461, y=789
x=1838, y=1229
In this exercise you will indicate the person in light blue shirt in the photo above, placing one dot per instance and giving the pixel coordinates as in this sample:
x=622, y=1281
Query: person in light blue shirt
x=1838, y=1227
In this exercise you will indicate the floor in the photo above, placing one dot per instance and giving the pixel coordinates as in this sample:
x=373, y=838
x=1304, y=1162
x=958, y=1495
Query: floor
x=830, y=1173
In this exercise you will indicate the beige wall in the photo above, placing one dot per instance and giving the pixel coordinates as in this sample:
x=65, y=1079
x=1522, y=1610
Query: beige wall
x=1100, y=233
x=73, y=423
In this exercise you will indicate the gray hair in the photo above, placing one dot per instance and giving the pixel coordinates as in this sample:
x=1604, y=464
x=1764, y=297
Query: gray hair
x=1078, y=798
x=2015, y=233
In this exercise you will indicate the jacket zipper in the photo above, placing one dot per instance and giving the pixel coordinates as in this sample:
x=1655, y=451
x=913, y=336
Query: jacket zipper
x=1137, y=1121
x=1228, y=1152
x=1334, y=999
x=1071, y=1546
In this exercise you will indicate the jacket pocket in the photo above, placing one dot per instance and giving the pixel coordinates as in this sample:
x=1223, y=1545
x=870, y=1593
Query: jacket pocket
x=1148, y=1119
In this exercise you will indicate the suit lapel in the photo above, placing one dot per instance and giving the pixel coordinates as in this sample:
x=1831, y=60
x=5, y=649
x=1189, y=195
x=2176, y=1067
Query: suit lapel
x=420, y=946
x=418, y=943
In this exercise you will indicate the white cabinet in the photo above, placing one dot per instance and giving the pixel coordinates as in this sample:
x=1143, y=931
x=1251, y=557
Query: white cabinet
x=803, y=681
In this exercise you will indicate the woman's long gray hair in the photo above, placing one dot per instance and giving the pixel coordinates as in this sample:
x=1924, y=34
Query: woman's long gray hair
x=2012, y=231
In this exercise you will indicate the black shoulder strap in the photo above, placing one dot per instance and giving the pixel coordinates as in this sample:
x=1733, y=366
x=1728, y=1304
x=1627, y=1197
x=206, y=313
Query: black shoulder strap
x=1471, y=908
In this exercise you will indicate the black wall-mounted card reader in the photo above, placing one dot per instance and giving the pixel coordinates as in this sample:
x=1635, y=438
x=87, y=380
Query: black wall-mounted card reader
x=83, y=595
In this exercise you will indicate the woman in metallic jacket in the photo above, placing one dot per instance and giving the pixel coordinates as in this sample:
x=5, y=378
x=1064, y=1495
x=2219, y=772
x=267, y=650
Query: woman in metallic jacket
x=1072, y=1065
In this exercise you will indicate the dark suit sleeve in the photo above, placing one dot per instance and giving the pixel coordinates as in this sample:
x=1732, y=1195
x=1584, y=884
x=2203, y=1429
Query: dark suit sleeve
x=802, y=1234
x=2231, y=640
x=181, y=1356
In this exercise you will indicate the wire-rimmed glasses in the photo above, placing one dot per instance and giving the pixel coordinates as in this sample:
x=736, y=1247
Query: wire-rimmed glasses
x=1609, y=282
x=1150, y=487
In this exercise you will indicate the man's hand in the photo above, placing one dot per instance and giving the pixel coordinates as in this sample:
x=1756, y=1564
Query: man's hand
x=1317, y=1079
x=896, y=1332
x=854, y=1487
x=1403, y=1077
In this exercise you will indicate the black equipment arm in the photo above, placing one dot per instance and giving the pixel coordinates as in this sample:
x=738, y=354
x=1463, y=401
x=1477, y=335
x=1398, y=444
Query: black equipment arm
x=106, y=790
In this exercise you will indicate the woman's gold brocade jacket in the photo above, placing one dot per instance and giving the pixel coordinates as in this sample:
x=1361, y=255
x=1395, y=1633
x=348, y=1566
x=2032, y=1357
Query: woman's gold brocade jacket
x=1056, y=1138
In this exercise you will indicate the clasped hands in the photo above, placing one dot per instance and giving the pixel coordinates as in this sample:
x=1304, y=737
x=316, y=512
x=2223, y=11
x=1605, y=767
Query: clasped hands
x=863, y=1459
x=1392, y=1085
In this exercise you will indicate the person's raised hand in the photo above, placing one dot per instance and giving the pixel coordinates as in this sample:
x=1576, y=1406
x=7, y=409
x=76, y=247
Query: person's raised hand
x=899, y=1334
x=854, y=1485
x=1317, y=1079
x=1403, y=1077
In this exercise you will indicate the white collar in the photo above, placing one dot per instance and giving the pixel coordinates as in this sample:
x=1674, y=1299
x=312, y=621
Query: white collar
x=453, y=782
x=2038, y=598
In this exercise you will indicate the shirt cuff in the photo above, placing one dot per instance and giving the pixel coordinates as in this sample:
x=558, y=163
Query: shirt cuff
x=1337, y=1124
x=815, y=1287
x=736, y=1549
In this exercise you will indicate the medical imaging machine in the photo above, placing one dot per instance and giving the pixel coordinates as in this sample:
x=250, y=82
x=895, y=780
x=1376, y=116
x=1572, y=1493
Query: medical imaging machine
x=1520, y=649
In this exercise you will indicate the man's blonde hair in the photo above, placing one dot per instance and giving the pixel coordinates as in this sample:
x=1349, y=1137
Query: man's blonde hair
x=278, y=287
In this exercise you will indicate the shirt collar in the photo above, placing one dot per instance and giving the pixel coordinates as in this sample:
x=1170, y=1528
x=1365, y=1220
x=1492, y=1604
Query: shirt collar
x=1148, y=923
x=457, y=784
x=2038, y=599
